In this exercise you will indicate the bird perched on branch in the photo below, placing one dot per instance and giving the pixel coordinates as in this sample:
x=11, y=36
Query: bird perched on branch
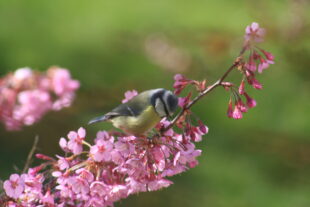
x=141, y=113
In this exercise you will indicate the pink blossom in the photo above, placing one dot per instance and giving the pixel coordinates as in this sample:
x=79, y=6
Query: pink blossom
x=241, y=87
x=48, y=199
x=61, y=82
x=63, y=144
x=85, y=174
x=196, y=133
x=187, y=156
x=251, y=65
x=101, y=151
x=249, y=101
x=243, y=108
x=33, y=104
x=256, y=84
x=63, y=163
x=124, y=147
x=134, y=186
x=23, y=73
x=180, y=83
x=269, y=56
x=203, y=128
x=262, y=66
x=183, y=102
x=158, y=184
x=27, y=95
x=129, y=95
x=76, y=140
x=254, y=33
x=237, y=114
x=14, y=186
x=98, y=188
x=79, y=185
x=34, y=183
x=253, y=81
x=230, y=109
x=117, y=192
x=44, y=157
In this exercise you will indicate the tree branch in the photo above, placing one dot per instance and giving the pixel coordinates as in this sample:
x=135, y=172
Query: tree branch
x=206, y=91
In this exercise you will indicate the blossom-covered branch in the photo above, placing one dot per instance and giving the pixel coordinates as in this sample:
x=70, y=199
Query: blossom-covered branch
x=26, y=95
x=258, y=60
x=117, y=165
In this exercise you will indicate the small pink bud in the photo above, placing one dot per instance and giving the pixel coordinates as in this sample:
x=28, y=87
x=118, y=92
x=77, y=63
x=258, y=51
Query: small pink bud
x=129, y=95
x=251, y=65
x=256, y=56
x=263, y=65
x=241, y=106
x=183, y=102
x=35, y=170
x=237, y=114
x=43, y=157
x=230, y=110
x=203, y=128
x=180, y=83
x=256, y=84
x=268, y=55
x=179, y=77
x=228, y=84
x=249, y=74
x=241, y=87
x=249, y=101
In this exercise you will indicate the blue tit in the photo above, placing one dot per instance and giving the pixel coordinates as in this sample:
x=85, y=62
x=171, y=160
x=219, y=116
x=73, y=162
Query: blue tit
x=141, y=113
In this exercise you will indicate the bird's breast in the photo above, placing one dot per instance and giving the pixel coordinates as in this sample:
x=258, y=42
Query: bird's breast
x=137, y=125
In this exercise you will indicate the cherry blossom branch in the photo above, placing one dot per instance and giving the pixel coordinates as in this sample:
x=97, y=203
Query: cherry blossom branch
x=258, y=60
x=203, y=93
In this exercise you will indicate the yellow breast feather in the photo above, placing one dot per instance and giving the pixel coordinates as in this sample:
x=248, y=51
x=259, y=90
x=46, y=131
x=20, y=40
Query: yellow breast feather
x=138, y=125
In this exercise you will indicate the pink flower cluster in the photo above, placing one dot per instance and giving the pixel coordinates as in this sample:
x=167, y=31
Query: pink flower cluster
x=107, y=171
x=258, y=60
x=181, y=82
x=26, y=95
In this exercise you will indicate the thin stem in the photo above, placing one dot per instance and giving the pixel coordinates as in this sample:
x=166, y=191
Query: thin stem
x=86, y=143
x=206, y=91
x=29, y=157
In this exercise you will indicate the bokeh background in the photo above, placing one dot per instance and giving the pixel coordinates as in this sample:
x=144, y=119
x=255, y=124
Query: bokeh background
x=112, y=46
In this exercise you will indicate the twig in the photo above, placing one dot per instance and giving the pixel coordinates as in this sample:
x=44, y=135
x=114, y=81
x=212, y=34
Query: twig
x=34, y=146
x=206, y=91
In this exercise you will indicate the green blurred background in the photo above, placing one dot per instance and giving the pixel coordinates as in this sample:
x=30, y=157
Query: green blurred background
x=113, y=46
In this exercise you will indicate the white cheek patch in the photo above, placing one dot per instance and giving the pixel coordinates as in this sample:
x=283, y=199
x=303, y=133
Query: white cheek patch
x=166, y=100
x=159, y=107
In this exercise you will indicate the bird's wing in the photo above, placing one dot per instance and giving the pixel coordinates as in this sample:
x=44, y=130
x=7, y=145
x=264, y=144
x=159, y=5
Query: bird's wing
x=133, y=107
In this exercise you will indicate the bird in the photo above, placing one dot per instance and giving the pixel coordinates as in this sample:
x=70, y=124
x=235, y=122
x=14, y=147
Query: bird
x=141, y=113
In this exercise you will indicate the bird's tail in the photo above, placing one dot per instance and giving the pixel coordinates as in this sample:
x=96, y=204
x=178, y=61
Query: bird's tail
x=98, y=119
